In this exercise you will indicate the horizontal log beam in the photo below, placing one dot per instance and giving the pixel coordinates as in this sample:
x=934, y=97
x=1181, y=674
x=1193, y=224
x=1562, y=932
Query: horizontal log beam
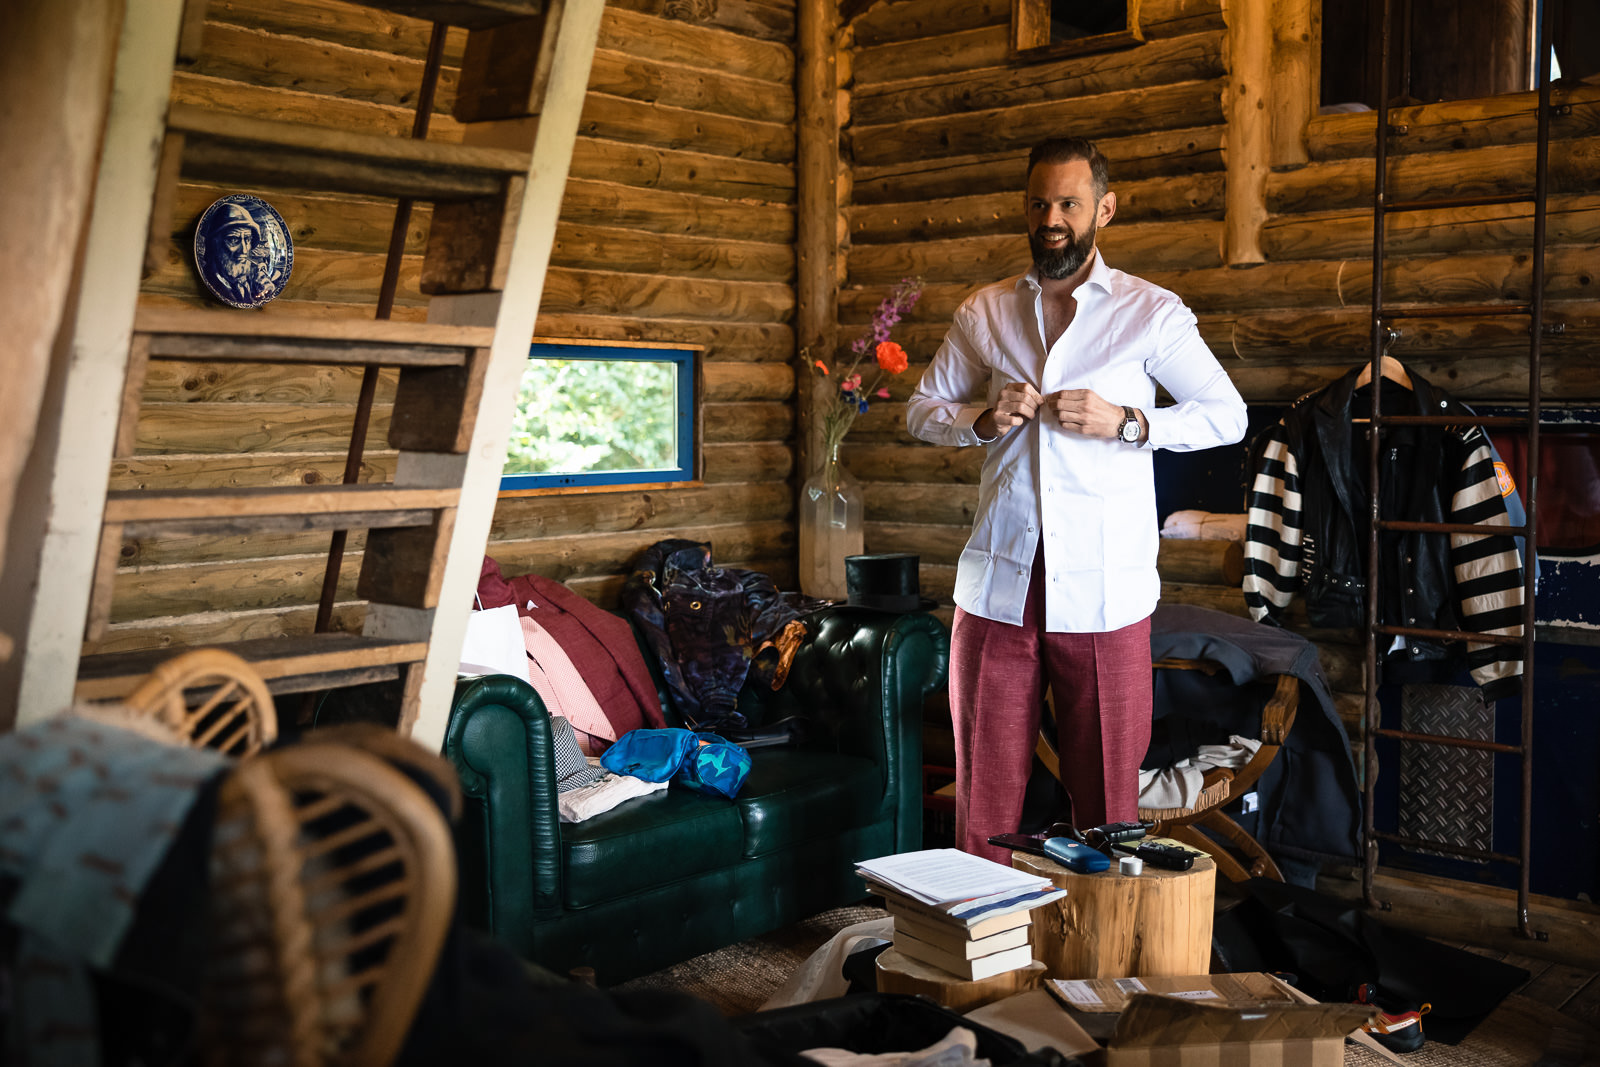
x=948, y=53
x=670, y=40
x=908, y=20
x=1348, y=234
x=356, y=26
x=677, y=170
x=1456, y=124
x=1218, y=563
x=226, y=428
x=728, y=382
x=597, y=292
x=667, y=212
x=701, y=87
x=761, y=19
x=621, y=119
x=1195, y=57
x=727, y=423
x=245, y=470
x=1162, y=153
x=634, y=252
x=748, y=462
x=315, y=66
x=605, y=555
x=165, y=550
x=270, y=102
x=915, y=503
x=571, y=514
x=1446, y=280
x=1167, y=107
x=923, y=464
x=764, y=342
x=1150, y=200
x=343, y=223
x=185, y=381
x=224, y=627
x=243, y=585
x=1496, y=171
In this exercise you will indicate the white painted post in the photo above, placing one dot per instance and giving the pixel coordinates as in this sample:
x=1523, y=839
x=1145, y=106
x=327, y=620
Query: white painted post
x=82, y=425
x=512, y=313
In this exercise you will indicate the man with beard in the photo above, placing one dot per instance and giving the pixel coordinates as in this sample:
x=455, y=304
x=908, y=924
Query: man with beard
x=1058, y=579
x=240, y=274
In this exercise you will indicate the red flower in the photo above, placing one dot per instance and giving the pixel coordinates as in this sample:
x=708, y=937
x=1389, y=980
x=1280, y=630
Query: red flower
x=891, y=357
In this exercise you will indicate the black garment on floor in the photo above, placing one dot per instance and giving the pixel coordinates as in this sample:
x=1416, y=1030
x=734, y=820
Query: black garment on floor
x=1332, y=946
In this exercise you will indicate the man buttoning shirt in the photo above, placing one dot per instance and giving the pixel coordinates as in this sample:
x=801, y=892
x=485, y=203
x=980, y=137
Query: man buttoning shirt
x=1058, y=580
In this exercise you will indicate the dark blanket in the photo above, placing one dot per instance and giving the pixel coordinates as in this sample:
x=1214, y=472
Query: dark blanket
x=1310, y=804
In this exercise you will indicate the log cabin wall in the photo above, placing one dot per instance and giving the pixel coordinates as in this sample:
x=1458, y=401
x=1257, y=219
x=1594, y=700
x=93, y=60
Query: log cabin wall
x=1271, y=249
x=677, y=226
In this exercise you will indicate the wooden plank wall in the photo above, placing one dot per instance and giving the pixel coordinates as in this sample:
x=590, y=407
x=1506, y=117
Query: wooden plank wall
x=940, y=121
x=677, y=225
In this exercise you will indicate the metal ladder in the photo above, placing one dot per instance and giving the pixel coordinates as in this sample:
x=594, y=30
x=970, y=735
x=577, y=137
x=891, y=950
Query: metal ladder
x=1383, y=335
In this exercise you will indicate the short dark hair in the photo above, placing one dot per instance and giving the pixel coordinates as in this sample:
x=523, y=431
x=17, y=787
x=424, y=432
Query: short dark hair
x=1065, y=150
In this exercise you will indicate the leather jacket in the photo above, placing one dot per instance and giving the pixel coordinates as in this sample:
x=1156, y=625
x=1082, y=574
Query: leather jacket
x=1316, y=458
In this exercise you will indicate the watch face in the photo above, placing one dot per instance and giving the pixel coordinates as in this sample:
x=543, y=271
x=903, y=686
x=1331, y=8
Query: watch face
x=1130, y=431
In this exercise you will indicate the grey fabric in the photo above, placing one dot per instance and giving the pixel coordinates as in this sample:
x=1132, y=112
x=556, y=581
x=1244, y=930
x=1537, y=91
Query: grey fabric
x=572, y=770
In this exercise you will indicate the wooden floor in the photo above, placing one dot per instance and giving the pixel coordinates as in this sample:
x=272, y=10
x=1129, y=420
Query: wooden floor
x=1553, y=1019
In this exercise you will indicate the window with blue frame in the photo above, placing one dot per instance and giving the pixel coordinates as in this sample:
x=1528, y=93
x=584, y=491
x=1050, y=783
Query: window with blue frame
x=598, y=414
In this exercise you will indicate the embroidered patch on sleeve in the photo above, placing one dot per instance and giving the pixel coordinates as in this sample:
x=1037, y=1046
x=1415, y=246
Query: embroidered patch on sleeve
x=1502, y=474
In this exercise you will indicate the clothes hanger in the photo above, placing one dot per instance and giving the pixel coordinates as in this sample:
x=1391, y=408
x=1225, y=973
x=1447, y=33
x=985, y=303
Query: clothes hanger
x=1391, y=369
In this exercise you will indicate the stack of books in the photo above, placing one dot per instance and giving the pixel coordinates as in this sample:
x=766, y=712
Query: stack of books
x=963, y=914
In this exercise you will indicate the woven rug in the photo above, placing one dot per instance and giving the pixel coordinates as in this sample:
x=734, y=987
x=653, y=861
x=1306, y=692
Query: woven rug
x=740, y=978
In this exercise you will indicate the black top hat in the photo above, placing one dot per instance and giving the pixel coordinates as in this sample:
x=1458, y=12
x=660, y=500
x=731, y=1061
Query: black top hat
x=888, y=582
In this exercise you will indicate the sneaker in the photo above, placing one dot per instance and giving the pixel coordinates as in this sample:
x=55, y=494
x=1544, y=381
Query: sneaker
x=1398, y=1031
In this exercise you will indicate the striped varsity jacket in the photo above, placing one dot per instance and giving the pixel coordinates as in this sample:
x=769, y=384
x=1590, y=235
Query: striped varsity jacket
x=1307, y=533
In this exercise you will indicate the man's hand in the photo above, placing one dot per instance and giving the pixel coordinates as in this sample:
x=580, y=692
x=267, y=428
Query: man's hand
x=1086, y=412
x=1018, y=403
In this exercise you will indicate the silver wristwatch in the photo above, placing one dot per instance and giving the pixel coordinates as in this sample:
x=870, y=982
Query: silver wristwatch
x=1130, y=426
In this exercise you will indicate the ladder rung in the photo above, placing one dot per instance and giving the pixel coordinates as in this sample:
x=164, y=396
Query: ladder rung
x=1486, y=529
x=473, y=14
x=279, y=508
x=1458, y=201
x=1443, y=846
x=256, y=151
x=1449, y=742
x=1464, y=312
x=1448, y=635
x=281, y=662
x=219, y=335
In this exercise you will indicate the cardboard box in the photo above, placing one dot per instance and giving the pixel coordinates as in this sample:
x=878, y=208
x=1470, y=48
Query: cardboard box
x=1222, y=1020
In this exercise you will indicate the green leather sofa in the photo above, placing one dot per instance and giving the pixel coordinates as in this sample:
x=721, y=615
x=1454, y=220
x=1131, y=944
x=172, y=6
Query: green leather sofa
x=673, y=875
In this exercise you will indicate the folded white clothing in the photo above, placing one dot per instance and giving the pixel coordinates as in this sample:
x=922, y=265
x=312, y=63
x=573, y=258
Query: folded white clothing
x=958, y=1048
x=587, y=801
x=1178, y=785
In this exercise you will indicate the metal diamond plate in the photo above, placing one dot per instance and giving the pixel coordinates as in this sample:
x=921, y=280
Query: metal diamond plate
x=1446, y=794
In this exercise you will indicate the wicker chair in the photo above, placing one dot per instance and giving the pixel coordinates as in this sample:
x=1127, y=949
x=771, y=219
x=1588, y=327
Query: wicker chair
x=211, y=699
x=333, y=887
x=1219, y=785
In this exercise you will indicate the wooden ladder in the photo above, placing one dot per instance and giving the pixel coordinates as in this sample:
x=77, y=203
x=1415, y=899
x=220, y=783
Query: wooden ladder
x=496, y=198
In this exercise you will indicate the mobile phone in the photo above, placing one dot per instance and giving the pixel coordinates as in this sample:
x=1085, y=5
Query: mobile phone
x=1020, y=842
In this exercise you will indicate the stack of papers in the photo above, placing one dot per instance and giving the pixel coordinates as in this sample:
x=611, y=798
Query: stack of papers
x=959, y=913
x=957, y=883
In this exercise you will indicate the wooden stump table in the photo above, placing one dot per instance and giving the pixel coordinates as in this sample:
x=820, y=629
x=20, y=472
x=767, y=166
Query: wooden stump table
x=1110, y=925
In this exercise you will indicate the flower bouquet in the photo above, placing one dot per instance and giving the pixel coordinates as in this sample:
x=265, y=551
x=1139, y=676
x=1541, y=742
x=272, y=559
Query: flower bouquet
x=831, y=508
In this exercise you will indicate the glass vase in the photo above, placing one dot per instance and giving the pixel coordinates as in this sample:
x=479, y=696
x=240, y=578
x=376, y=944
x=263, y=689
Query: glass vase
x=830, y=528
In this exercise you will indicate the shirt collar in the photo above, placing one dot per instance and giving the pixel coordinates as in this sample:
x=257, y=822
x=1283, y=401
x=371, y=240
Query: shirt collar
x=1099, y=274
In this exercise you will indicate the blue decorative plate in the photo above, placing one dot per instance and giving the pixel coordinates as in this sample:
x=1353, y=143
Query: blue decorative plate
x=242, y=251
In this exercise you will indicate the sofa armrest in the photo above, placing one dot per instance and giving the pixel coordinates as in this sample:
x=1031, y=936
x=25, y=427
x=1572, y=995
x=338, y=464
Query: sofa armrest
x=509, y=839
x=866, y=673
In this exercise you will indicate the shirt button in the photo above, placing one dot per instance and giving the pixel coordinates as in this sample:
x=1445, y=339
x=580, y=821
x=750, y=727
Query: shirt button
x=1409, y=592
x=1022, y=570
x=1030, y=529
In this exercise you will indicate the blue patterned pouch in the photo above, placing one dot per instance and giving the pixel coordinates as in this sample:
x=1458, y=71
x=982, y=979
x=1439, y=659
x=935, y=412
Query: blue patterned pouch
x=718, y=767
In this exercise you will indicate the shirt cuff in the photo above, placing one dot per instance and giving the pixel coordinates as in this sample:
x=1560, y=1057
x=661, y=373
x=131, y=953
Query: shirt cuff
x=1155, y=421
x=965, y=434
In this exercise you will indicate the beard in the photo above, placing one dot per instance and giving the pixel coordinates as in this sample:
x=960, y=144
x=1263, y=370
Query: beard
x=1058, y=263
x=235, y=269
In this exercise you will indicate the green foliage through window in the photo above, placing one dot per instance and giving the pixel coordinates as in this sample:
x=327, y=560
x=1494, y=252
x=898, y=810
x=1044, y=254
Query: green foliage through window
x=605, y=415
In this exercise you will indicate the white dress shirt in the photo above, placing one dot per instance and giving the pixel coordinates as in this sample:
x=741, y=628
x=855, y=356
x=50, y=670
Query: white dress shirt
x=1092, y=500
